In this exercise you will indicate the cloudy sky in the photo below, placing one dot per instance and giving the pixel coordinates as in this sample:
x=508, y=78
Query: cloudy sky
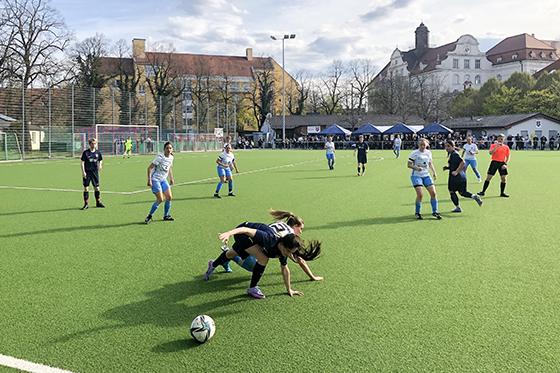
x=325, y=29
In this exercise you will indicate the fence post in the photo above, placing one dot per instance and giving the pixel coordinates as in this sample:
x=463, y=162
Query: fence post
x=160, y=116
x=22, y=120
x=73, y=129
x=207, y=114
x=174, y=124
x=93, y=95
x=50, y=122
x=129, y=108
x=112, y=105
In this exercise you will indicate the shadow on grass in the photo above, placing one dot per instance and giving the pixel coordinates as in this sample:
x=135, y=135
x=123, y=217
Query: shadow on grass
x=461, y=199
x=39, y=211
x=149, y=202
x=326, y=177
x=383, y=220
x=170, y=306
x=176, y=346
x=70, y=229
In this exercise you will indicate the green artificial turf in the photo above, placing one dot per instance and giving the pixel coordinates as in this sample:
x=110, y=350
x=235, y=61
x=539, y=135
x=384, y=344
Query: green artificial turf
x=96, y=291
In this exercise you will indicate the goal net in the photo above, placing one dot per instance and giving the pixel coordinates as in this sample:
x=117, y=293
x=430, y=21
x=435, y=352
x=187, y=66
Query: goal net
x=10, y=148
x=111, y=138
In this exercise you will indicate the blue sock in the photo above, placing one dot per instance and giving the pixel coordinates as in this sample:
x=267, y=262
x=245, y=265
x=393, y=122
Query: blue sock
x=154, y=207
x=218, y=187
x=230, y=186
x=167, y=208
x=434, y=205
x=418, y=207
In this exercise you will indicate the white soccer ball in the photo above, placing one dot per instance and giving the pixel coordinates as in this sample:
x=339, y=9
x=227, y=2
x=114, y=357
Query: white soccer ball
x=202, y=328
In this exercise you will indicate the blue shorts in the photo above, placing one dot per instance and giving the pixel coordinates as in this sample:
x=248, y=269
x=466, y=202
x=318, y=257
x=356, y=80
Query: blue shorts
x=470, y=162
x=421, y=181
x=159, y=186
x=223, y=172
x=330, y=156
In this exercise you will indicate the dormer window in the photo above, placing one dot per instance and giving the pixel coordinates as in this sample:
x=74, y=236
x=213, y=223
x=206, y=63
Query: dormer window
x=499, y=59
x=531, y=54
x=551, y=55
x=542, y=54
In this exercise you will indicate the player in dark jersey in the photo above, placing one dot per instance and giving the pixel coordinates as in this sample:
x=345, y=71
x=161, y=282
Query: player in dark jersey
x=457, y=178
x=277, y=240
x=92, y=163
x=362, y=148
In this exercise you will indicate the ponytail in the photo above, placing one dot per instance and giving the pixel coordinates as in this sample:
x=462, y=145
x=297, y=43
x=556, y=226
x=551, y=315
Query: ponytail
x=291, y=219
x=309, y=251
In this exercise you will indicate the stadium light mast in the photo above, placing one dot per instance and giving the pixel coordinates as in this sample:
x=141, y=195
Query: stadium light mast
x=283, y=38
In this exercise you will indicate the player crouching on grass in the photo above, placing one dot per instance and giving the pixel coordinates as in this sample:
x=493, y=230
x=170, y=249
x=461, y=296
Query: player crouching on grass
x=92, y=163
x=158, y=170
x=297, y=224
x=277, y=240
x=457, y=177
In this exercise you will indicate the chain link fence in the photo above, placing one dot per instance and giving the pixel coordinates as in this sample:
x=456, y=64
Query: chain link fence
x=56, y=122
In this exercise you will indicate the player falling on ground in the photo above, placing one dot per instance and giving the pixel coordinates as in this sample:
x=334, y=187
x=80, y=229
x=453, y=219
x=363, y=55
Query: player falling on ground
x=397, y=146
x=362, y=148
x=158, y=170
x=91, y=163
x=127, y=148
x=470, y=150
x=225, y=162
x=500, y=157
x=420, y=161
x=457, y=181
x=329, y=147
x=297, y=225
x=276, y=240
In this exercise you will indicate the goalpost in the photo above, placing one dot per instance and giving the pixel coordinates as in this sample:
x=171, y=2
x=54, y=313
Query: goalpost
x=111, y=138
x=9, y=147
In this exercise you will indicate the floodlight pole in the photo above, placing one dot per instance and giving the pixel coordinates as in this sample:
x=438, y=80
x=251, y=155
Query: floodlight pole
x=283, y=38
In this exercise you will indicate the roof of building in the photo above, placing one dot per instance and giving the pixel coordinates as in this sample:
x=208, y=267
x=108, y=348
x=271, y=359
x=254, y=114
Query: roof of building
x=114, y=65
x=429, y=59
x=555, y=66
x=493, y=121
x=519, y=42
x=346, y=121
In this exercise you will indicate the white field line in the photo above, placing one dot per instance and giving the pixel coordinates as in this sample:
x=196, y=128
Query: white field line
x=27, y=366
x=42, y=189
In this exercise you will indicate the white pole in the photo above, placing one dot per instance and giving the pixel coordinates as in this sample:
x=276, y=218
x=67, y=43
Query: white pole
x=73, y=129
x=50, y=122
x=22, y=120
x=93, y=102
x=129, y=108
x=283, y=98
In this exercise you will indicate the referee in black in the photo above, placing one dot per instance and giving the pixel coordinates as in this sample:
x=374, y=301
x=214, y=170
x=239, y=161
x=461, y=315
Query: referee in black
x=362, y=149
x=92, y=163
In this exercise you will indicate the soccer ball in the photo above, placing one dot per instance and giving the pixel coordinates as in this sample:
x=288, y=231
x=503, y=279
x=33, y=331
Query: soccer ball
x=202, y=328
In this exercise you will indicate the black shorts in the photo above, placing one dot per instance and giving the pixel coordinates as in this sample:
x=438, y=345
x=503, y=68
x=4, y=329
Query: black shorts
x=497, y=166
x=242, y=243
x=362, y=159
x=457, y=184
x=91, y=177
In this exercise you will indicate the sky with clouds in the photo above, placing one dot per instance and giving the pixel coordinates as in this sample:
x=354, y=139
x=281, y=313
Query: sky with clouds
x=326, y=29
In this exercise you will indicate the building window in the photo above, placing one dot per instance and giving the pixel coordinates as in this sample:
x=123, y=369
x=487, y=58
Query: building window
x=531, y=54
x=515, y=56
x=477, y=80
x=542, y=54
x=456, y=79
x=499, y=59
x=477, y=64
x=499, y=77
x=467, y=64
x=455, y=63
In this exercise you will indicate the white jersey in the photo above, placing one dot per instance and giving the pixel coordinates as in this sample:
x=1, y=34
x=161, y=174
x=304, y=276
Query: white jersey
x=421, y=159
x=470, y=151
x=226, y=159
x=281, y=229
x=397, y=143
x=163, y=165
x=329, y=145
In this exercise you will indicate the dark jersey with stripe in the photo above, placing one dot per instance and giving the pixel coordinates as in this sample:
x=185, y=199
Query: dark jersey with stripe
x=453, y=162
x=267, y=237
x=91, y=160
x=362, y=148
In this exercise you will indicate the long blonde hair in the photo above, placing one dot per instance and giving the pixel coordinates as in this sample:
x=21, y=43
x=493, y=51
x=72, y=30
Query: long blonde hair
x=291, y=219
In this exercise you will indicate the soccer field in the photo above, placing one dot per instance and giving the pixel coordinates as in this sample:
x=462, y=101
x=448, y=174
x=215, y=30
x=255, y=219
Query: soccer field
x=98, y=291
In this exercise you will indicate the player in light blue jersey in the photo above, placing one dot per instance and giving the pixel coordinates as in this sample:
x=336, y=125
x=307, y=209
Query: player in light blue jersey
x=329, y=147
x=470, y=150
x=159, y=169
x=225, y=162
x=420, y=161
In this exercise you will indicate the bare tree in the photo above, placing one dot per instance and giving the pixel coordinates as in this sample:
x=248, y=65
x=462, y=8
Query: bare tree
x=224, y=89
x=164, y=78
x=298, y=92
x=87, y=55
x=362, y=72
x=429, y=96
x=262, y=94
x=202, y=90
x=331, y=92
x=7, y=35
x=40, y=37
